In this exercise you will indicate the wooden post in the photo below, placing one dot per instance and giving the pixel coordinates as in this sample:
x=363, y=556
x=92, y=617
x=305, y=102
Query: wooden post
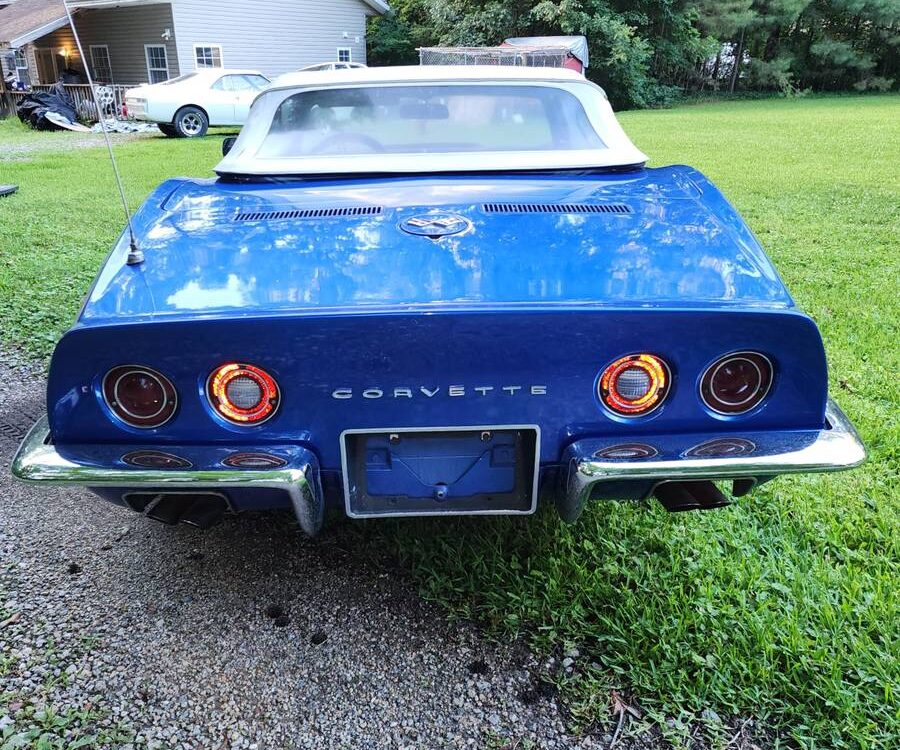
x=10, y=103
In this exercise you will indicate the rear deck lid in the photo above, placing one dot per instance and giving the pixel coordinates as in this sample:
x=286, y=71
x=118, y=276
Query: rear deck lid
x=652, y=237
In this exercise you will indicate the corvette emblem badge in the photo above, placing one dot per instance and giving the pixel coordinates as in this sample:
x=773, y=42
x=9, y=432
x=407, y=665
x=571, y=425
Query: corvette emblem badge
x=435, y=225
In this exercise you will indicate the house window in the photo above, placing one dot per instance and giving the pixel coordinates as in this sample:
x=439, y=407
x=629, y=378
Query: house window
x=344, y=54
x=100, y=65
x=208, y=55
x=21, y=66
x=157, y=62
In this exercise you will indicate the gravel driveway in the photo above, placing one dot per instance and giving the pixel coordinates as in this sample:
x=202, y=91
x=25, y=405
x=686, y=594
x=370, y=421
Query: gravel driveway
x=246, y=636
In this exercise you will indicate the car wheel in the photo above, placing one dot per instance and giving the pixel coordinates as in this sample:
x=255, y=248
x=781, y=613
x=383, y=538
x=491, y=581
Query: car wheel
x=191, y=122
x=167, y=129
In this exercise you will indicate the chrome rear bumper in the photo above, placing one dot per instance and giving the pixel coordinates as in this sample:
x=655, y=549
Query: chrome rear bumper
x=677, y=458
x=39, y=461
x=588, y=464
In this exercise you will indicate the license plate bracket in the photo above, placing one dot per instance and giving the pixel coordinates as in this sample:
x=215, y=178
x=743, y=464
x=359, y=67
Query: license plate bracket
x=441, y=471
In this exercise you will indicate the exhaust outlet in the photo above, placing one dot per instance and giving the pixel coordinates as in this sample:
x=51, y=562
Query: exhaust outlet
x=166, y=508
x=205, y=511
x=199, y=509
x=681, y=496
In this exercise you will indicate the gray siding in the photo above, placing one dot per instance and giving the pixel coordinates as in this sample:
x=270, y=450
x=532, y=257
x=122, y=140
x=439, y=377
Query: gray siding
x=272, y=36
x=125, y=30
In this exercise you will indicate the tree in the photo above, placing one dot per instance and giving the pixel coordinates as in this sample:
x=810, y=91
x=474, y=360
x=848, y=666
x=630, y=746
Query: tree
x=392, y=39
x=646, y=52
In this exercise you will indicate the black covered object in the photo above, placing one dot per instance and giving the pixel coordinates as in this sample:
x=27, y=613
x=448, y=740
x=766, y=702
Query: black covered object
x=33, y=108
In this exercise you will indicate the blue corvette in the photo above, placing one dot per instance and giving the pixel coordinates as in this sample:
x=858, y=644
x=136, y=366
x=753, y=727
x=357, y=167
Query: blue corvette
x=432, y=291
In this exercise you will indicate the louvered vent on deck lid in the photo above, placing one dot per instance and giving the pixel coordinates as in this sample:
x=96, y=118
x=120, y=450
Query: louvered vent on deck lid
x=557, y=208
x=308, y=213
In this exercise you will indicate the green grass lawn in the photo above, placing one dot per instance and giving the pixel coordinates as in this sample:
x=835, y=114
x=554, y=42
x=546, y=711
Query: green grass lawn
x=783, y=607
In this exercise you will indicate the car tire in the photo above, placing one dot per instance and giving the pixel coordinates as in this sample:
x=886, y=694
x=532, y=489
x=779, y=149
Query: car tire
x=191, y=122
x=167, y=129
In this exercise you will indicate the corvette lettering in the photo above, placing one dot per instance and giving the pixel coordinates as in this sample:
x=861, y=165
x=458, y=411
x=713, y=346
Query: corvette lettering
x=453, y=391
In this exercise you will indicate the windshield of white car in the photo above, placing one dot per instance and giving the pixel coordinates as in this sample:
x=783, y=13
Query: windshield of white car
x=435, y=118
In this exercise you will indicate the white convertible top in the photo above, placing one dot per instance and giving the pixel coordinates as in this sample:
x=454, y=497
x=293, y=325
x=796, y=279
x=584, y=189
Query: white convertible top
x=253, y=155
x=426, y=73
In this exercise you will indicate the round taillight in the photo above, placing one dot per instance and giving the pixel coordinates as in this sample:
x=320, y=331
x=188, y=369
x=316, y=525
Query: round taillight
x=243, y=394
x=634, y=385
x=139, y=396
x=737, y=383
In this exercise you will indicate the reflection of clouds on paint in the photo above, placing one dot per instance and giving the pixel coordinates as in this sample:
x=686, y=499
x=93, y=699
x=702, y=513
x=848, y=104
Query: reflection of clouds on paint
x=464, y=258
x=367, y=236
x=160, y=232
x=198, y=221
x=570, y=220
x=193, y=296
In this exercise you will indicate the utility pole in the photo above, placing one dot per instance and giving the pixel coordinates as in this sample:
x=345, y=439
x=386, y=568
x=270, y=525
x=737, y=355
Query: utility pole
x=738, y=60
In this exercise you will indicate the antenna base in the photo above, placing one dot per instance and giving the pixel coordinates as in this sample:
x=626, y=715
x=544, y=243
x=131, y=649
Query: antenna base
x=135, y=254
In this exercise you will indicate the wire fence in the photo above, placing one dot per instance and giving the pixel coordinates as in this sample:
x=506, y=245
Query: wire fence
x=532, y=57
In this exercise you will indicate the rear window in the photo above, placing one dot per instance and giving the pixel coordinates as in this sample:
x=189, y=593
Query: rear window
x=428, y=119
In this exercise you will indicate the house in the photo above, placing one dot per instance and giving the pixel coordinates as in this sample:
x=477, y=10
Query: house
x=148, y=41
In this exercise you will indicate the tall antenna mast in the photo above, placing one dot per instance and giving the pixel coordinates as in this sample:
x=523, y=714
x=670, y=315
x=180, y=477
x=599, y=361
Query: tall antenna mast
x=135, y=255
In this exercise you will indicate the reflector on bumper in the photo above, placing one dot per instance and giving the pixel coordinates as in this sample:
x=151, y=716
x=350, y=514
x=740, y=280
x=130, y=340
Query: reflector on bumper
x=38, y=460
x=593, y=461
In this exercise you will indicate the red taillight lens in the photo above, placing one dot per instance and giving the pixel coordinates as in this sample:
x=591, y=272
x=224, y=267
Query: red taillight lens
x=635, y=385
x=736, y=383
x=139, y=396
x=243, y=394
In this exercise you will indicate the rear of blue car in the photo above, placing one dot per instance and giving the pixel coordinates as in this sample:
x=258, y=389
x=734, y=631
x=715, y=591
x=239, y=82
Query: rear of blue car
x=433, y=292
x=419, y=412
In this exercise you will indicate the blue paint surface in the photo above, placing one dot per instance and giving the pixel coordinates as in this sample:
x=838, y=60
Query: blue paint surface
x=366, y=326
x=382, y=358
x=682, y=244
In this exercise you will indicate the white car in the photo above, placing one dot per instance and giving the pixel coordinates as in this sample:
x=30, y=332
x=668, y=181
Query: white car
x=186, y=106
x=332, y=66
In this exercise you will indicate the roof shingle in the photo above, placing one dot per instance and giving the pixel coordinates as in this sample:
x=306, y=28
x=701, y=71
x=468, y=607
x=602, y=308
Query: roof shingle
x=23, y=17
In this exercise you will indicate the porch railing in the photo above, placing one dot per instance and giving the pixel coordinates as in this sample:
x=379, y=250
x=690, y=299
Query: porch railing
x=111, y=97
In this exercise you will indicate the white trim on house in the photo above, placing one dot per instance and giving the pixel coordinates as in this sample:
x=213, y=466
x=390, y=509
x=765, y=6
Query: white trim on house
x=378, y=5
x=348, y=50
x=150, y=70
x=95, y=73
x=37, y=33
x=109, y=3
x=210, y=46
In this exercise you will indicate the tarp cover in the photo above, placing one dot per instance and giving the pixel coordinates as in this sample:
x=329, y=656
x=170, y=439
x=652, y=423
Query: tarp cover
x=577, y=45
x=32, y=109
